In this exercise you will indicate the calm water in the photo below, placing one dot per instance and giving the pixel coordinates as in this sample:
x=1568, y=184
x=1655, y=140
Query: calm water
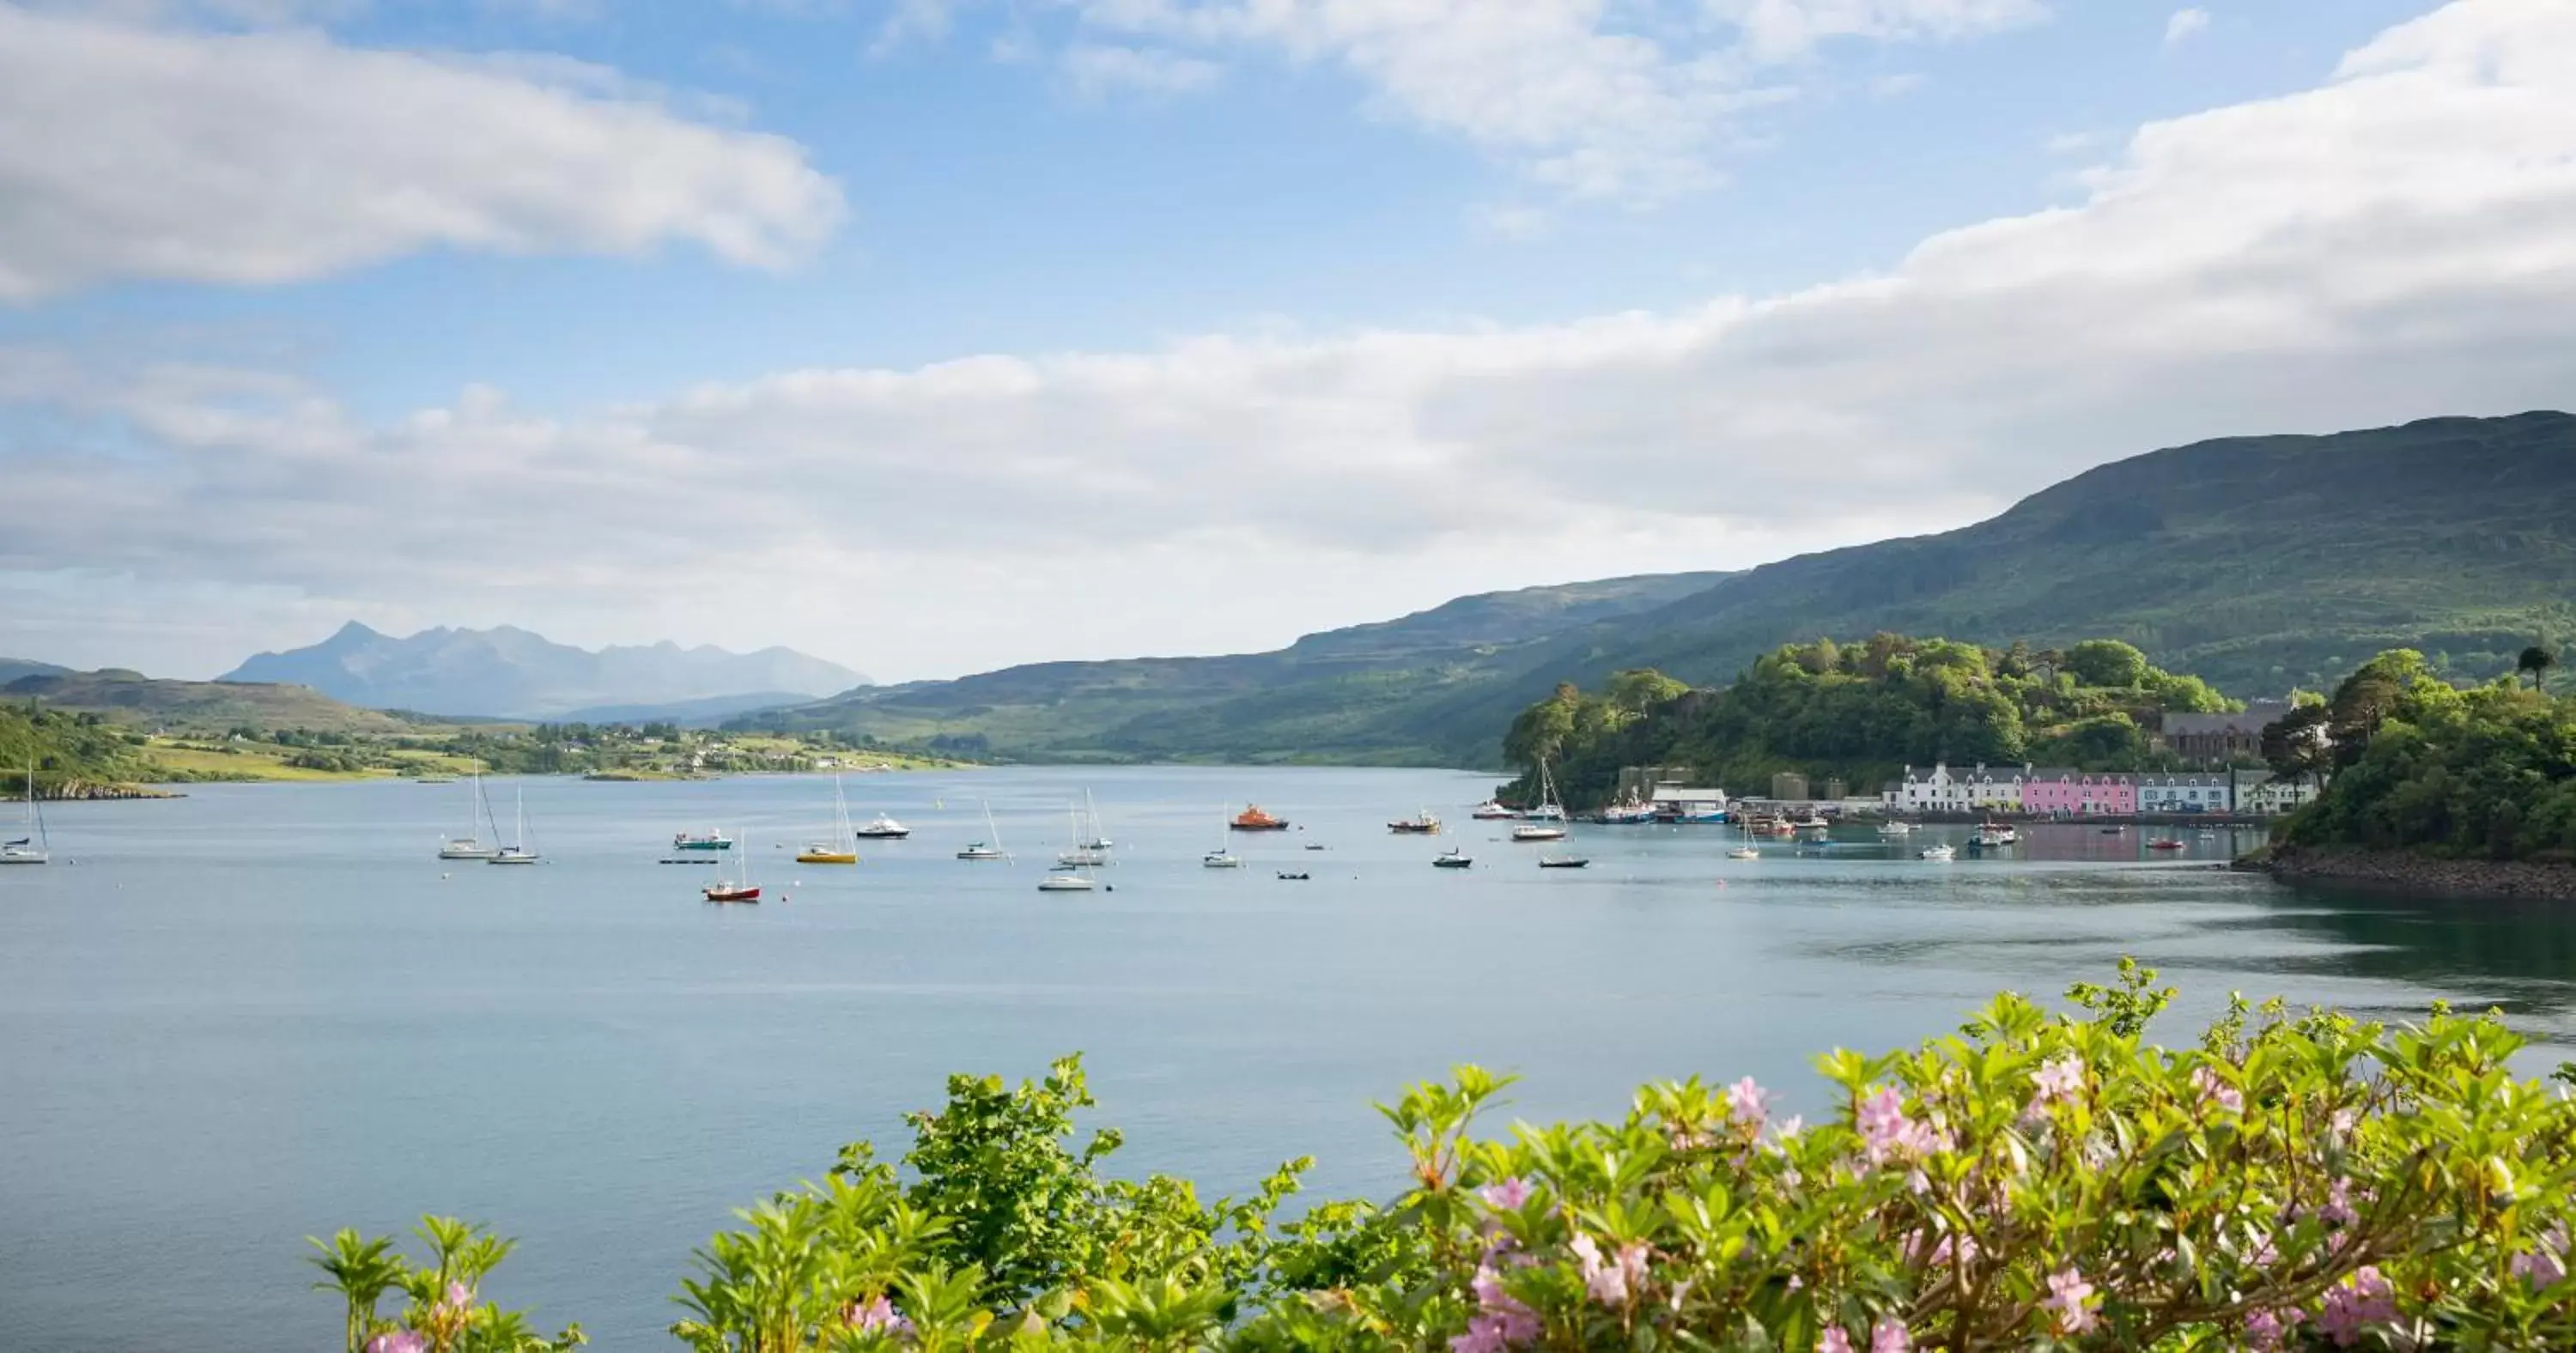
x=261, y=1012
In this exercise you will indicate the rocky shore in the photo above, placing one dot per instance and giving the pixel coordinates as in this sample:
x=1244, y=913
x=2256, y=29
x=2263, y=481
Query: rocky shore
x=2418, y=873
x=84, y=789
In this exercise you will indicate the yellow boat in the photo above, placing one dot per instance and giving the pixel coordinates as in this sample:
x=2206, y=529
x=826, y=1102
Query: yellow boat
x=837, y=848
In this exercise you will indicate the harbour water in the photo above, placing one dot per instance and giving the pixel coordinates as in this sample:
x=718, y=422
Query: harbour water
x=261, y=1012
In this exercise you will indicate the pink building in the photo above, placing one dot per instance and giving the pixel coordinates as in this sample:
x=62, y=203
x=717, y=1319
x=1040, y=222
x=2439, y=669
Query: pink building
x=2052, y=791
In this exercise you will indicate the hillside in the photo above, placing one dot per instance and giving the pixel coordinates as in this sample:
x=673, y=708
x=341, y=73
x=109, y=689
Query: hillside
x=1337, y=696
x=70, y=753
x=198, y=706
x=13, y=668
x=508, y=672
x=2256, y=563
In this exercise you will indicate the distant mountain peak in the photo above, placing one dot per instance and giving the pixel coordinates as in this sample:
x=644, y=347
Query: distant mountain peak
x=510, y=672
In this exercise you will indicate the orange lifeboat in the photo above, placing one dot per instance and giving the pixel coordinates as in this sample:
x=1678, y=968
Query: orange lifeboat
x=1252, y=819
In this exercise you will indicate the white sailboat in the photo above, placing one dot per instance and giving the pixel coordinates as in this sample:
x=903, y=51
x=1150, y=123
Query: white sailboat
x=836, y=848
x=33, y=847
x=1083, y=855
x=1067, y=882
x=1221, y=858
x=470, y=846
x=519, y=851
x=1098, y=839
x=990, y=848
x=1547, y=820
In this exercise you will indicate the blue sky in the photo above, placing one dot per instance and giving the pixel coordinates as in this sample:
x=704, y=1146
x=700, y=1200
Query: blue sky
x=503, y=310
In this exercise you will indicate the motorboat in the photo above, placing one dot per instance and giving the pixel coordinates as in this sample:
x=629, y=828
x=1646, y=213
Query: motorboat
x=709, y=840
x=1423, y=825
x=2165, y=843
x=883, y=828
x=1812, y=823
x=1943, y=852
x=1491, y=810
x=1538, y=831
x=1221, y=859
x=1563, y=862
x=1066, y=883
x=1286, y=877
x=1252, y=819
x=733, y=892
x=1896, y=829
x=1744, y=853
x=1995, y=835
x=1452, y=858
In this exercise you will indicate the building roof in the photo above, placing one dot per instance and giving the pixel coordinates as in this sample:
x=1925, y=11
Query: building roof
x=2257, y=715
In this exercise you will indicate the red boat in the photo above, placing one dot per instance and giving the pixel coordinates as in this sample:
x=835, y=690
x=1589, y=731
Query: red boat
x=2164, y=843
x=731, y=892
x=1252, y=819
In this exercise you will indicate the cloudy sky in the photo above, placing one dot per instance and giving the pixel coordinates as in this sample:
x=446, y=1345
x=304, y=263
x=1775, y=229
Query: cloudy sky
x=935, y=335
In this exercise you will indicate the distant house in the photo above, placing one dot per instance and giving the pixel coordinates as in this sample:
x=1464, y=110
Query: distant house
x=2217, y=739
x=1943, y=790
x=2051, y=791
x=2189, y=792
x=2264, y=794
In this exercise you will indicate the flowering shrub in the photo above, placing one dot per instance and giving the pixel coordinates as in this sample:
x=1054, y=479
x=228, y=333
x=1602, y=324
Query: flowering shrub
x=2035, y=1181
x=440, y=1313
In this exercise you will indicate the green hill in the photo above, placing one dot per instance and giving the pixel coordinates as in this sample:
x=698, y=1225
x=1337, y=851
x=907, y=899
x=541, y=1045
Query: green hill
x=198, y=706
x=1342, y=696
x=70, y=752
x=2257, y=563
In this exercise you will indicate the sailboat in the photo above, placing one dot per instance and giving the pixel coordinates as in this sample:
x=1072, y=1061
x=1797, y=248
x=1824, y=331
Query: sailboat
x=470, y=846
x=990, y=848
x=34, y=847
x=836, y=848
x=1067, y=882
x=521, y=852
x=1099, y=836
x=1221, y=858
x=1083, y=855
x=1547, y=821
x=727, y=890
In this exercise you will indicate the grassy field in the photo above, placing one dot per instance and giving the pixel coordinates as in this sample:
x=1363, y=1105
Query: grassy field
x=240, y=761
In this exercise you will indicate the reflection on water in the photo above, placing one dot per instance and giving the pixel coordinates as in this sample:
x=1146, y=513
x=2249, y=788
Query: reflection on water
x=264, y=1012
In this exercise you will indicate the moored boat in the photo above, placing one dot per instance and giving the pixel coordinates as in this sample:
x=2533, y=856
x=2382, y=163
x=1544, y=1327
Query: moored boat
x=1065, y=883
x=1538, y=831
x=1896, y=829
x=1744, y=853
x=1563, y=862
x=990, y=848
x=834, y=848
x=522, y=852
x=1422, y=825
x=1628, y=814
x=1994, y=835
x=1452, y=858
x=478, y=810
x=733, y=892
x=1252, y=819
x=35, y=847
x=708, y=840
x=2165, y=843
x=1942, y=852
x=883, y=828
x=1491, y=810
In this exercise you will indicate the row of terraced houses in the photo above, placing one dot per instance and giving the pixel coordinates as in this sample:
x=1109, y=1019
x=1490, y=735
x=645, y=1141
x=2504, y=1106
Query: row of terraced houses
x=2054, y=791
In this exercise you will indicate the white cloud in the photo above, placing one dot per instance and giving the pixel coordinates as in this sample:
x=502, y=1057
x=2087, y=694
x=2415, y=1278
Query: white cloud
x=1095, y=70
x=2400, y=242
x=2184, y=24
x=260, y=157
x=1621, y=101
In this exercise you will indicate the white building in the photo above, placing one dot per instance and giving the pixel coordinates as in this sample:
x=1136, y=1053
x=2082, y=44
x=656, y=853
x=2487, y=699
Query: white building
x=1686, y=804
x=2210, y=792
x=1943, y=790
x=2262, y=793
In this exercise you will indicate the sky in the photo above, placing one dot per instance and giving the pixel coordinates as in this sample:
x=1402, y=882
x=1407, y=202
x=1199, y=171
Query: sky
x=932, y=336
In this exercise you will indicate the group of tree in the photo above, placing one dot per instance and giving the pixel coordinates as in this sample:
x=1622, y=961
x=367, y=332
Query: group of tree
x=1863, y=711
x=2419, y=764
x=65, y=749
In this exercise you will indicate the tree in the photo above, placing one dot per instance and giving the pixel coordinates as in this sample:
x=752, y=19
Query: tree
x=2366, y=698
x=2106, y=662
x=2537, y=660
x=2297, y=746
x=1640, y=689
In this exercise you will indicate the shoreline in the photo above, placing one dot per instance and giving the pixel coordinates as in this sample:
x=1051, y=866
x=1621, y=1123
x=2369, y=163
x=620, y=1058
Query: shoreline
x=2525, y=879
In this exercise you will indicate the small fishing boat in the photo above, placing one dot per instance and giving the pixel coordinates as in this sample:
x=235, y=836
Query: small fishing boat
x=2165, y=843
x=1453, y=858
x=1491, y=810
x=522, y=852
x=1744, y=853
x=1939, y=853
x=1285, y=877
x=1628, y=814
x=708, y=840
x=835, y=848
x=34, y=847
x=732, y=890
x=1066, y=883
x=1563, y=862
x=990, y=848
x=1252, y=819
x=1423, y=825
x=1896, y=829
x=1995, y=835
x=883, y=828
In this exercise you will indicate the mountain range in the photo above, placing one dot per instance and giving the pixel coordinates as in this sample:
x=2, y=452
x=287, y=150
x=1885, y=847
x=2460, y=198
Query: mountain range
x=508, y=672
x=2257, y=563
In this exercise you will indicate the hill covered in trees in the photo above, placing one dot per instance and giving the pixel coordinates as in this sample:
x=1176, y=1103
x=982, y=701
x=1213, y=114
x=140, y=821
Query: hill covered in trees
x=1861, y=711
x=72, y=753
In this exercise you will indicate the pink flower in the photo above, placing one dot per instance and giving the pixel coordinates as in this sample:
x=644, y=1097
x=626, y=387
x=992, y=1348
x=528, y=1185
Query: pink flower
x=1613, y=1282
x=1889, y=1336
x=1748, y=1101
x=2338, y=1209
x=1503, y=1314
x=2215, y=1091
x=2547, y=1262
x=398, y=1341
x=2069, y=1295
x=1889, y=1133
x=878, y=1316
x=458, y=1297
x=2266, y=1330
x=1834, y=1341
x=1508, y=1195
x=2355, y=1304
x=2061, y=1078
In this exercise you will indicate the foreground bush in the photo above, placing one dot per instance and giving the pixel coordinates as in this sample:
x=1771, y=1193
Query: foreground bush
x=2035, y=1182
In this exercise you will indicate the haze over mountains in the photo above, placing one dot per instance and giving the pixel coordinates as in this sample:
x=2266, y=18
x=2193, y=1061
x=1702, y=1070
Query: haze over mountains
x=506, y=672
x=2258, y=563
